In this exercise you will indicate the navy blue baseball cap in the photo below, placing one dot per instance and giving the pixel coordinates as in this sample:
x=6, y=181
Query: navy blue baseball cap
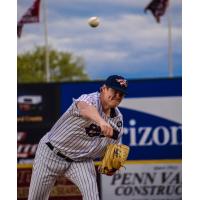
x=118, y=83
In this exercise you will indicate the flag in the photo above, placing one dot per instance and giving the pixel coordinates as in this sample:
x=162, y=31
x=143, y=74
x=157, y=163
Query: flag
x=158, y=8
x=31, y=16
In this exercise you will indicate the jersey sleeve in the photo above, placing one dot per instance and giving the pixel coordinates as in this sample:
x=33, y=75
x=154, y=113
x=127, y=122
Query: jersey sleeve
x=85, y=98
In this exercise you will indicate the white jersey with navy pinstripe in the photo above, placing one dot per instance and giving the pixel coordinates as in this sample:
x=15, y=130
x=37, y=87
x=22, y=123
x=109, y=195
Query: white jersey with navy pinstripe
x=72, y=133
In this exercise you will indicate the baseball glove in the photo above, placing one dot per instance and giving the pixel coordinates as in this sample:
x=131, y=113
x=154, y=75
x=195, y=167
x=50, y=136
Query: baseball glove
x=114, y=158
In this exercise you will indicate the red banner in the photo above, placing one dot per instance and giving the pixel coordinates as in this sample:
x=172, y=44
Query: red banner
x=31, y=16
x=158, y=8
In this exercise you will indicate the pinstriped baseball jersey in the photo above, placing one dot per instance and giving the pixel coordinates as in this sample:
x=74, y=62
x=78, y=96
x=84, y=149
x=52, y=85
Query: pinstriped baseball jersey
x=78, y=138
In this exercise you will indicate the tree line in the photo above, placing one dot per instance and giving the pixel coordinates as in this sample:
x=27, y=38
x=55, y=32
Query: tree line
x=63, y=66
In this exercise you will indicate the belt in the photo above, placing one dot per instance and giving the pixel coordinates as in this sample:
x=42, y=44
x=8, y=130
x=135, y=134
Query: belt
x=58, y=153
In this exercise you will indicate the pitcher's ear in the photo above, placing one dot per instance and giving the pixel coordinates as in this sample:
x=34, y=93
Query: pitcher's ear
x=102, y=87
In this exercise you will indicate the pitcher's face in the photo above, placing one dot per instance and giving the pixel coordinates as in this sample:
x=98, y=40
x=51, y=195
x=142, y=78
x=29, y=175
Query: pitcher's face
x=111, y=96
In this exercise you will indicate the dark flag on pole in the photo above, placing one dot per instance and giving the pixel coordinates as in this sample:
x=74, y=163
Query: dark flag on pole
x=158, y=8
x=31, y=16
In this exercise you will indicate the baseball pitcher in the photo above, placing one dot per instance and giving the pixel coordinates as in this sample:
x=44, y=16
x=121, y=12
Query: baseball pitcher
x=91, y=128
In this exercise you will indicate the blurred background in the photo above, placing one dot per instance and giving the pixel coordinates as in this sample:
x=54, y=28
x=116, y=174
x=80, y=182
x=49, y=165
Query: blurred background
x=59, y=57
x=128, y=40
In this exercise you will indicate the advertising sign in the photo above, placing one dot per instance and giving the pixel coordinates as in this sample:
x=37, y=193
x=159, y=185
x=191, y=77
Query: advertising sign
x=152, y=119
x=37, y=105
x=62, y=190
x=152, y=127
x=27, y=142
x=144, y=182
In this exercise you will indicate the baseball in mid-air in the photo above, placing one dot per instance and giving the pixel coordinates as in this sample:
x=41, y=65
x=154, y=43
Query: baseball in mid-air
x=93, y=21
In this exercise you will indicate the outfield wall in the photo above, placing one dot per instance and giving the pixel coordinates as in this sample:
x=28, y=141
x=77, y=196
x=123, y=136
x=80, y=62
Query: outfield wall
x=152, y=130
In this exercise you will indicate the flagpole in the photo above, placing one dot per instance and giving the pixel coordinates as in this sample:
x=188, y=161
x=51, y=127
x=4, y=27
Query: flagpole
x=46, y=42
x=170, y=54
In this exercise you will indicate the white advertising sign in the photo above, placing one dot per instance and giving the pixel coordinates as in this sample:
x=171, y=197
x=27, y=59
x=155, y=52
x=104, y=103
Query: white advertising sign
x=144, y=182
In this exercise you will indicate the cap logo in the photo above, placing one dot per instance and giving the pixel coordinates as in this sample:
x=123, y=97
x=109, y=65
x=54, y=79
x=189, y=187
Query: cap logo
x=122, y=82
